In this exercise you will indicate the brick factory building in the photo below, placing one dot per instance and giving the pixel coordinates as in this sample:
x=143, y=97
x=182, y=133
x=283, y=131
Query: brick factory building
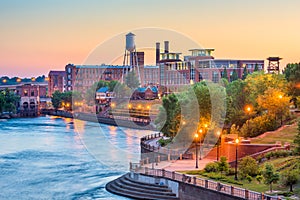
x=56, y=82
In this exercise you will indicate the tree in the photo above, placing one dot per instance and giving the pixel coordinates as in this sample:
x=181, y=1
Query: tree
x=223, y=165
x=245, y=73
x=131, y=80
x=297, y=139
x=270, y=175
x=256, y=67
x=289, y=178
x=56, y=99
x=224, y=74
x=234, y=75
x=292, y=74
x=248, y=166
x=275, y=102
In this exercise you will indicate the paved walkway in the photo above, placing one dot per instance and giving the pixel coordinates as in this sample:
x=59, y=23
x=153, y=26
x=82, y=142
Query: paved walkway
x=180, y=165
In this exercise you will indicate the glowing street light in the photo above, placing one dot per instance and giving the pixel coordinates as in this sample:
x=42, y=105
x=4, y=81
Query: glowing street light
x=280, y=96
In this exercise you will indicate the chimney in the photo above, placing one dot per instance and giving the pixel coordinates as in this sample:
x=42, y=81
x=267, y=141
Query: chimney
x=166, y=46
x=157, y=52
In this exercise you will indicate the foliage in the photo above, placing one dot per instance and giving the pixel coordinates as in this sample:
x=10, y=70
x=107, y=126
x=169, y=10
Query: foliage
x=275, y=102
x=8, y=101
x=249, y=178
x=223, y=165
x=234, y=75
x=297, y=139
x=248, y=167
x=245, y=73
x=258, y=82
x=289, y=178
x=224, y=74
x=131, y=80
x=163, y=142
x=270, y=175
x=65, y=99
x=259, y=178
x=258, y=125
x=292, y=74
x=221, y=177
x=211, y=167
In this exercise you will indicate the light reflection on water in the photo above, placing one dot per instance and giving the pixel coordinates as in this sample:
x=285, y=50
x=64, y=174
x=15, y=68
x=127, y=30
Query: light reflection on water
x=45, y=158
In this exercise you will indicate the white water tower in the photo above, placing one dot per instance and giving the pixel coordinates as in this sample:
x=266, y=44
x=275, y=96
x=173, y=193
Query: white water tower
x=130, y=56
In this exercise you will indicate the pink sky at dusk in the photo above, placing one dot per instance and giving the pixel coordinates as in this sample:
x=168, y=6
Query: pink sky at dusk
x=37, y=36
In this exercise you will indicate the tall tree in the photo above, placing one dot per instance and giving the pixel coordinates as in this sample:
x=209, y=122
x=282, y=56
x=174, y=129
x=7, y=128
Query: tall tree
x=289, y=178
x=224, y=74
x=245, y=73
x=270, y=175
x=234, y=75
x=131, y=80
x=297, y=139
x=256, y=67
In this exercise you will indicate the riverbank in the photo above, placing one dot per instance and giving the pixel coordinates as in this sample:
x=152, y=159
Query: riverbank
x=135, y=123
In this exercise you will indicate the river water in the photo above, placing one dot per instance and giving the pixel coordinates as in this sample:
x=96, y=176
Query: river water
x=58, y=158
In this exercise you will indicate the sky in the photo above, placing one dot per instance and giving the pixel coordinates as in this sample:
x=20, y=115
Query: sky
x=38, y=36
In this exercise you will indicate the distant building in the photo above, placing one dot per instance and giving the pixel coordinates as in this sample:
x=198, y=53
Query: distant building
x=145, y=93
x=56, y=82
x=30, y=99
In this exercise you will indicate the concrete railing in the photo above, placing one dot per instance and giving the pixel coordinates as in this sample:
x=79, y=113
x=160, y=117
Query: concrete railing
x=204, y=183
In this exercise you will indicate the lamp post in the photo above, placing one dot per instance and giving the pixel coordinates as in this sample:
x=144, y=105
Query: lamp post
x=218, y=145
x=196, y=136
x=236, y=158
x=200, y=132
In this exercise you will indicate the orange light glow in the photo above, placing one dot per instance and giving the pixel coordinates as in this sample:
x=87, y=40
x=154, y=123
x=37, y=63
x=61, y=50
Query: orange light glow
x=200, y=131
x=280, y=96
x=196, y=135
x=237, y=140
x=4, y=80
x=218, y=133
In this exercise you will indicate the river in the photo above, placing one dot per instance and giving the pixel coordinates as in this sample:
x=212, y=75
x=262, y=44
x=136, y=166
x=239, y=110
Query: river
x=60, y=158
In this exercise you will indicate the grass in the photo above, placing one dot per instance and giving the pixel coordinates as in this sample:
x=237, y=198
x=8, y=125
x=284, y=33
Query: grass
x=255, y=185
x=286, y=134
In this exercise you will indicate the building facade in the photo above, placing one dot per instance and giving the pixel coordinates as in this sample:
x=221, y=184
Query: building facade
x=30, y=99
x=56, y=82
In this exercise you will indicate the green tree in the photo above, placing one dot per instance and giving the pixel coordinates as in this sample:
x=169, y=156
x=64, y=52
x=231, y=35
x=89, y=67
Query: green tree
x=270, y=175
x=245, y=73
x=224, y=74
x=275, y=102
x=248, y=166
x=297, y=139
x=223, y=165
x=56, y=99
x=256, y=67
x=234, y=75
x=131, y=80
x=289, y=178
x=292, y=74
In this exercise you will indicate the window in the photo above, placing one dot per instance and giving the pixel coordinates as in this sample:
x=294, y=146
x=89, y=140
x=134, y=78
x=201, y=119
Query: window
x=215, y=77
x=25, y=93
x=32, y=93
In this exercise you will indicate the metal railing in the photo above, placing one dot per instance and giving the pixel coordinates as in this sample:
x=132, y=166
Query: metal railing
x=200, y=182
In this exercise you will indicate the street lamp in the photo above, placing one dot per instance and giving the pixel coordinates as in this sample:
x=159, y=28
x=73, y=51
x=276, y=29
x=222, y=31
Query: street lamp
x=236, y=157
x=218, y=145
x=200, y=132
x=196, y=136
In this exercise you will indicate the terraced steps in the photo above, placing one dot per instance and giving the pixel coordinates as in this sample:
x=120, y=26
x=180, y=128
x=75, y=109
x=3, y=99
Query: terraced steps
x=128, y=187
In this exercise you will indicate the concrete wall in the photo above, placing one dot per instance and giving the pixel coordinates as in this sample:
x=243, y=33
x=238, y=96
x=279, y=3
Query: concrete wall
x=191, y=192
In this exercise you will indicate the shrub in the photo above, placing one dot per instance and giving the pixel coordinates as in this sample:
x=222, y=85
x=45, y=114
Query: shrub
x=259, y=178
x=223, y=165
x=211, y=167
x=249, y=178
x=248, y=167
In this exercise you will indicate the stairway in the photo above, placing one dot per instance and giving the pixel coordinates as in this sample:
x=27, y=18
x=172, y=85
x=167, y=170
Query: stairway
x=128, y=187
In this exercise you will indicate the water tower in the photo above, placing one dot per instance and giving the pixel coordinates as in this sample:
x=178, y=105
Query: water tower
x=131, y=56
x=273, y=66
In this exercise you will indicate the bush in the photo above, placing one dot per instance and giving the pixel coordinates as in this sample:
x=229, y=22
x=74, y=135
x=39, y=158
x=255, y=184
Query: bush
x=164, y=142
x=223, y=165
x=259, y=178
x=249, y=178
x=248, y=167
x=230, y=172
x=211, y=167
x=220, y=177
x=259, y=125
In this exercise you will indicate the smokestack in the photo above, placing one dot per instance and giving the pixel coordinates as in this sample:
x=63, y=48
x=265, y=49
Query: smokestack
x=166, y=46
x=157, y=52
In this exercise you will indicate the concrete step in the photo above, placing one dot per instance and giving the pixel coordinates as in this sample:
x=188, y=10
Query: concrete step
x=145, y=187
x=126, y=186
x=120, y=184
x=127, y=177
